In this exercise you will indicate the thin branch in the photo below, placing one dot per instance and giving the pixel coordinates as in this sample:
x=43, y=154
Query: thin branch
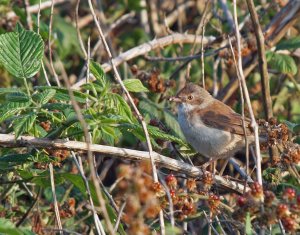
x=227, y=13
x=119, y=217
x=263, y=66
x=90, y=156
x=78, y=30
x=140, y=117
x=56, y=209
x=35, y=8
x=247, y=97
x=243, y=108
x=49, y=44
x=8, y=140
x=183, y=58
x=144, y=48
x=277, y=28
x=28, y=15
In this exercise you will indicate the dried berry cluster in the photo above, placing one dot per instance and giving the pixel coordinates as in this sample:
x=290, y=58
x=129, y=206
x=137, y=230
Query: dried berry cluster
x=144, y=199
x=185, y=201
x=66, y=210
x=267, y=209
x=137, y=190
x=278, y=135
x=153, y=80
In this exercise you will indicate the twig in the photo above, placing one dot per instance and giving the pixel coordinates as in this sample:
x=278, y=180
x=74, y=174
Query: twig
x=243, y=108
x=28, y=15
x=98, y=224
x=277, y=28
x=183, y=58
x=49, y=44
x=144, y=48
x=246, y=93
x=35, y=8
x=78, y=30
x=8, y=140
x=170, y=200
x=198, y=31
x=172, y=17
x=263, y=66
x=119, y=217
x=227, y=14
x=202, y=57
x=119, y=80
x=56, y=209
x=90, y=156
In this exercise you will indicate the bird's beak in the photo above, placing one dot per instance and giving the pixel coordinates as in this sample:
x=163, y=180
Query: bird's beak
x=175, y=99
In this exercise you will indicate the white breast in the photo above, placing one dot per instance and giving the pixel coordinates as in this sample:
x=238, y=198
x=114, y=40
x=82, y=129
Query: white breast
x=208, y=141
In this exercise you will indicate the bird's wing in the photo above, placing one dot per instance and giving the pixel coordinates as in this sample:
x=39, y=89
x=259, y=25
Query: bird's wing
x=221, y=116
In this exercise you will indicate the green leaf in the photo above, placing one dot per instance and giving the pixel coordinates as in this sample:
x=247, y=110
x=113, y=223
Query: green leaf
x=57, y=106
x=21, y=52
x=248, y=229
x=9, y=109
x=63, y=94
x=172, y=123
x=98, y=73
x=7, y=227
x=135, y=85
x=44, y=96
x=150, y=108
x=9, y=90
x=23, y=124
x=294, y=127
x=282, y=63
x=18, y=158
x=116, y=102
x=154, y=132
x=289, y=44
x=17, y=97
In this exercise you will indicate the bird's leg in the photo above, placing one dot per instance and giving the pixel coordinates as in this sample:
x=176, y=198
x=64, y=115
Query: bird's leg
x=206, y=164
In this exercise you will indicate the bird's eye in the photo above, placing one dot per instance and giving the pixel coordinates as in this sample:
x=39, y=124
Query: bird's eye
x=190, y=97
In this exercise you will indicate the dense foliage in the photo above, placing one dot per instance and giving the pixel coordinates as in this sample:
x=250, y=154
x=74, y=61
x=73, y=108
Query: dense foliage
x=40, y=97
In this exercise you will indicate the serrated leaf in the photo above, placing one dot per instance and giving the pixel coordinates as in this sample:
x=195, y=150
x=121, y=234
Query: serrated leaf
x=289, y=44
x=21, y=52
x=57, y=106
x=135, y=85
x=7, y=227
x=108, y=134
x=44, y=96
x=148, y=106
x=17, y=97
x=18, y=158
x=23, y=124
x=9, y=90
x=157, y=133
x=154, y=132
x=115, y=101
x=172, y=123
x=282, y=63
x=63, y=94
x=98, y=73
x=7, y=110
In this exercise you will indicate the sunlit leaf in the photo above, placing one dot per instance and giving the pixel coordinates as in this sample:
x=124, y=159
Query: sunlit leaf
x=23, y=124
x=282, y=63
x=21, y=52
x=135, y=85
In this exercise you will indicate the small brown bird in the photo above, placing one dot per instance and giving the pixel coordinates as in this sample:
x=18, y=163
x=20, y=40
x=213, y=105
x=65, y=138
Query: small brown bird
x=210, y=126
